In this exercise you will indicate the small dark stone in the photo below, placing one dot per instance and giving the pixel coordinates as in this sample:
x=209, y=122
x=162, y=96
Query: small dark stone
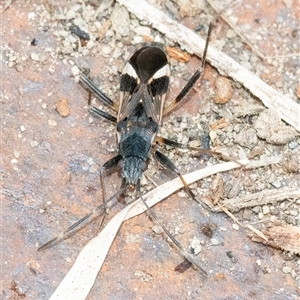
x=34, y=42
x=80, y=33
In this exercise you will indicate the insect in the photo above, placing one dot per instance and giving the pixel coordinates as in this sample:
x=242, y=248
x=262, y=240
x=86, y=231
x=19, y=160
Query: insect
x=143, y=87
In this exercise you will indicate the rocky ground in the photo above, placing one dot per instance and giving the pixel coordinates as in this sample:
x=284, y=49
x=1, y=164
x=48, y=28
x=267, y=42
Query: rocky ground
x=53, y=150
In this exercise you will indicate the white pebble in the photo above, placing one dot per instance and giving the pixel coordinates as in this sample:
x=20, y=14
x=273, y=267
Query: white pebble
x=142, y=30
x=106, y=50
x=16, y=154
x=157, y=229
x=75, y=70
x=195, y=245
x=90, y=44
x=235, y=226
x=213, y=135
x=181, y=194
x=22, y=128
x=14, y=161
x=286, y=269
x=214, y=242
x=265, y=209
x=52, y=123
x=33, y=144
x=85, y=52
x=34, y=56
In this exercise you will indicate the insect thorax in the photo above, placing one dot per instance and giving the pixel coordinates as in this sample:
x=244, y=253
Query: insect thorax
x=135, y=135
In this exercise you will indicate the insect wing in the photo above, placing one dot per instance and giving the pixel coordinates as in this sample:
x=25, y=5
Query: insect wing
x=145, y=79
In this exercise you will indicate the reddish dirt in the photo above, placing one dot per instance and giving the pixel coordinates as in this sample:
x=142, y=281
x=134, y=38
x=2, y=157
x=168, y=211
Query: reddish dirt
x=52, y=185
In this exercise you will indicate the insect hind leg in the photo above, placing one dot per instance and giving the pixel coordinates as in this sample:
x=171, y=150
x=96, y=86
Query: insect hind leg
x=100, y=209
x=167, y=163
x=185, y=253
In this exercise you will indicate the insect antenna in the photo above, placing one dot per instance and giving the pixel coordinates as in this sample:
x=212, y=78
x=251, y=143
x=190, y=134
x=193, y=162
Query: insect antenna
x=99, y=210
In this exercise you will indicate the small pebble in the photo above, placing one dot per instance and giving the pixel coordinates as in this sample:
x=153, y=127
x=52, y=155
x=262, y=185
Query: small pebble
x=106, y=50
x=62, y=107
x=157, y=229
x=286, y=269
x=85, y=52
x=34, y=56
x=52, y=123
x=75, y=70
x=276, y=184
x=22, y=128
x=214, y=242
x=223, y=90
x=195, y=246
x=213, y=135
x=33, y=144
x=247, y=214
x=14, y=161
x=19, y=68
x=181, y=194
x=258, y=261
x=16, y=154
x=293, y=145
x=44, y=105
x=34, y=42
x=90, y=44
x=143, y=30
x=265, y=209
x=235, y=226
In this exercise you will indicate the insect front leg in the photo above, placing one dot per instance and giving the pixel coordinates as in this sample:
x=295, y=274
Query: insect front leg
x=102, y=97
x=193, y=79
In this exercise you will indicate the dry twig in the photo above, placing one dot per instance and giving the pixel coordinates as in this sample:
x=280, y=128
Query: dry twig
x=260, y=198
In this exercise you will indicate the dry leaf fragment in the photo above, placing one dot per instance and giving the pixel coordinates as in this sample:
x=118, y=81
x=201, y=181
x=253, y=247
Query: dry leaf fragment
x=178, y=55
x=220, y=124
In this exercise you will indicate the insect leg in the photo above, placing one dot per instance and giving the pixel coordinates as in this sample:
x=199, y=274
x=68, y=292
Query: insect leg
x=102, y=114
x=167, y=163
x=193, y=79
x=186, y=254
x=101, y=96
x=163, y=141
x=92, y=88
x=111, y=163
x=97, y=210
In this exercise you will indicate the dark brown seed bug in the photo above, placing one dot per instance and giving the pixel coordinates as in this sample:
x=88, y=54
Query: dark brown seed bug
x=143, y=87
